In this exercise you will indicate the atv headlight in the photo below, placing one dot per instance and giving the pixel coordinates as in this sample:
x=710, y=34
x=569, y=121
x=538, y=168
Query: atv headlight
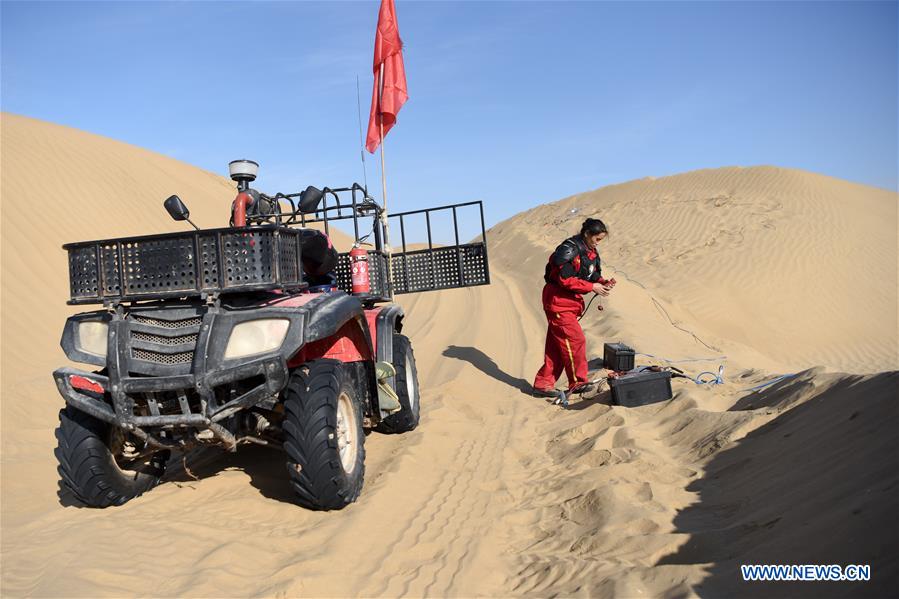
x=256, y=337
x=91, y=337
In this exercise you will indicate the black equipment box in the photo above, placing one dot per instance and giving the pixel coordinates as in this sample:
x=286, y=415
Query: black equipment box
x=617, y=357
x=641, y=388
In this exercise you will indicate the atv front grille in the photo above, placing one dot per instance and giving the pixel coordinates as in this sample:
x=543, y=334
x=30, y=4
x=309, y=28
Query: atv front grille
x=167, y=324
x=162, y=358
x=163, y=341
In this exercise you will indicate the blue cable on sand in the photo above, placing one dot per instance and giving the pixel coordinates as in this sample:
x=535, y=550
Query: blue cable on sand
x=717, y=378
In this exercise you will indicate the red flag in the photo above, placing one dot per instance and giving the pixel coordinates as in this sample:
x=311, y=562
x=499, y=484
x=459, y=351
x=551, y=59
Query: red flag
x=389, y=53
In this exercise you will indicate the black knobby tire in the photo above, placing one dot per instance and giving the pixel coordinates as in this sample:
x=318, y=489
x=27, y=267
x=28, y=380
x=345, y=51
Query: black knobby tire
x=87, y=466
x=311, y=436
x=406, y=389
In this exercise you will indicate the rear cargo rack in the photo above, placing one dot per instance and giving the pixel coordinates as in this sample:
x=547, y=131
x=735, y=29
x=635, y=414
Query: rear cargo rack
x=441, y=267
x=433, y=268
x=193, y=263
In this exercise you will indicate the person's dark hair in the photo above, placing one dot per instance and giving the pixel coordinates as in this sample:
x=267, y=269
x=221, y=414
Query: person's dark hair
x=594, y=226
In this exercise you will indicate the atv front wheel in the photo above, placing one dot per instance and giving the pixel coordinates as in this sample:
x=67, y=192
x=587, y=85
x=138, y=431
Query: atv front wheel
x=99, y=465
x=406, y=389
x=323, y=435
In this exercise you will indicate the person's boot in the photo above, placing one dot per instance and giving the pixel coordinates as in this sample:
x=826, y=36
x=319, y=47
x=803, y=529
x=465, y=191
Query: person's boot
x=582, y=388
x=546, y=392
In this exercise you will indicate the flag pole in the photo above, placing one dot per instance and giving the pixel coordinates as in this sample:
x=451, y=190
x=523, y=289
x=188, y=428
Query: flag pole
x=384, y=185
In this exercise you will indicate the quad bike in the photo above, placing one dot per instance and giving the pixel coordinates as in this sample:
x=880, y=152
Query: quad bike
x=255, y=333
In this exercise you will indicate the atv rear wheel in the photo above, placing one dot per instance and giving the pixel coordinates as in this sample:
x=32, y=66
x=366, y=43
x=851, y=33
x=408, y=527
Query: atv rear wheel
x=406, y=389
x=95, y=462
x=323, y=435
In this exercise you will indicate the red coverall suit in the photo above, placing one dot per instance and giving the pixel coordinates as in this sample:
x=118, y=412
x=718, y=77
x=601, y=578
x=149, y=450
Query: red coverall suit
x=571, y=272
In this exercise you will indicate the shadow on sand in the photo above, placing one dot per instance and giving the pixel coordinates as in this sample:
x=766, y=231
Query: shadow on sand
x=266, y=467
x=819, y=484
x=485, y=364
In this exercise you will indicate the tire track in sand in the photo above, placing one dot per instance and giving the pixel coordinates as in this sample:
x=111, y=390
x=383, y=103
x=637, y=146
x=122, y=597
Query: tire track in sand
x=430, y=510
x=444, y=538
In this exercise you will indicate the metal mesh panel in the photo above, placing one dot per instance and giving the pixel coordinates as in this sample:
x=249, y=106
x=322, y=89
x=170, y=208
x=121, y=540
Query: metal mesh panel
x=418, y=269
x=377, y=273
x=109, y=257
x=159, y=265
x=400, y=283
x=290, y=256
x=287, y=258
x=209, y=261
x=342, y=270
x=439, y=268
x=422, y=270
x=163, y=358
x=248, y=259
x=446, y=268
x=474, y=264
x=83, y=271
x=163, y=340
x=167, y=324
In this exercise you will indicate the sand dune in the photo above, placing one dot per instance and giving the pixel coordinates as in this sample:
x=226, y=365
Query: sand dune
x=800, y=267
x=498, y=493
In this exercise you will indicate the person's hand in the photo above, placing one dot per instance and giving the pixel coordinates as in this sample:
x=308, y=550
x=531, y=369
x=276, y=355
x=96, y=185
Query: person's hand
x=601, y=290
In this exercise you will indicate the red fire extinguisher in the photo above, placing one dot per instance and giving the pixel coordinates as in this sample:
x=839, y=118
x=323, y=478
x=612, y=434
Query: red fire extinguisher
x=359, y=268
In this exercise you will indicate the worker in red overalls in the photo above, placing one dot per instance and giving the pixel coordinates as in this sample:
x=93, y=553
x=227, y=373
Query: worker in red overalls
x=572, y=270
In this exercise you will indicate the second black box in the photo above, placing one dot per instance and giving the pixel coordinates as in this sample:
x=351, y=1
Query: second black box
x=617, y=357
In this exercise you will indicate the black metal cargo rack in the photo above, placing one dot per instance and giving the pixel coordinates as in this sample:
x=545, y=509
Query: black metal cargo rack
x=267, y=256
x=193, y=263
x=426, y=269
x=429, y=269
x=441, y=267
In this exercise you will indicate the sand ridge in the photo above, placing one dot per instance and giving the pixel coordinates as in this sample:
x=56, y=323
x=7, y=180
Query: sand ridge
x=799, y=266
x=499, y=493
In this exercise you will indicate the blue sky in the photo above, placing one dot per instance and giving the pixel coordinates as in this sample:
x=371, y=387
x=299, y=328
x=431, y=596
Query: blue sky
x=514, y=103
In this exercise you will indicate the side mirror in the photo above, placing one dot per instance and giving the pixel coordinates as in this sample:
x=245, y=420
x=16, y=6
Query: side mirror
x=176, y=208
x=310, y=199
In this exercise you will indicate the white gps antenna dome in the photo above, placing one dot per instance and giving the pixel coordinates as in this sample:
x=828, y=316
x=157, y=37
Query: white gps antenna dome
x=243, y=171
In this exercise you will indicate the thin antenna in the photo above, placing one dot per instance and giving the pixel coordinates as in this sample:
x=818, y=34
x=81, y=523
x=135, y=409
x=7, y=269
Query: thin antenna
x=361, y=139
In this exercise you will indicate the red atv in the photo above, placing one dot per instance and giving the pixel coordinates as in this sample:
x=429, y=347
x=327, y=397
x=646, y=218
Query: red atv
x=256, y=333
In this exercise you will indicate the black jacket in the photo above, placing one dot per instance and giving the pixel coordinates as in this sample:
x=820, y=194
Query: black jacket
x=572, y=259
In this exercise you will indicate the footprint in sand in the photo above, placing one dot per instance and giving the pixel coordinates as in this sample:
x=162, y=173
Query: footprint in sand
x=600, y=457
x=644, y=493
x=623, y=455
x=622, y=439
x=595, y=428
